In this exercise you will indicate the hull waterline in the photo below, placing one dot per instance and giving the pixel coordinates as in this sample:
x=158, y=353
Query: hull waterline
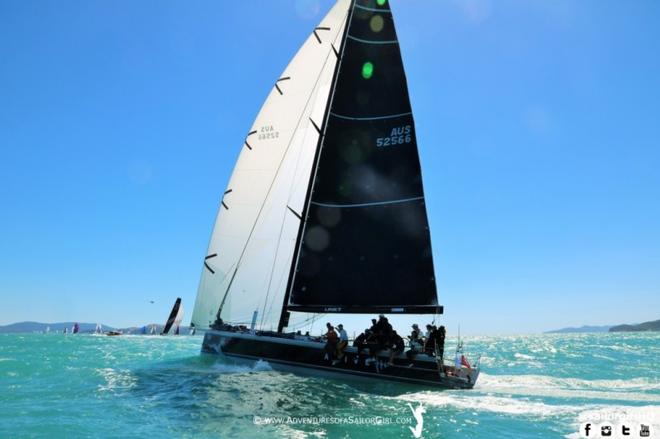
x=307, y=356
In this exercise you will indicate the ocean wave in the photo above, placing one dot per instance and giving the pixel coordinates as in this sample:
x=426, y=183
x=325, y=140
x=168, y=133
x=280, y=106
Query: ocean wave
x=634, y=389
x=545, y=381
x=648, y=414
x=259, y=366
x=496, y=404
x=116, y=379
x=523, y=407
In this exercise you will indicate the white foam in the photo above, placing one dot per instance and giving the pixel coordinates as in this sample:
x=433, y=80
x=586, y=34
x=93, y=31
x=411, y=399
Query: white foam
x=614, y=414
x=509, y=406
x=262, y=366
x=634, y=390
x=493, y=393
x=617, y=414
x=259, y=366
x=544, y=381
x=116, y=379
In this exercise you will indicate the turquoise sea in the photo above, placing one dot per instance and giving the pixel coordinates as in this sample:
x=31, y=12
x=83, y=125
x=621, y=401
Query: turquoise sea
x=139, y=386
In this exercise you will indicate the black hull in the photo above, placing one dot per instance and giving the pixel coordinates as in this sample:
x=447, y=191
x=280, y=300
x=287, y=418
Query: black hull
x=292, y=354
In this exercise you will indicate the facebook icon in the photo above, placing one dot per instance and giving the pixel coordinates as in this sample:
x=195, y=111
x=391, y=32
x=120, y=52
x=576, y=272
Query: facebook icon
x=585, y=429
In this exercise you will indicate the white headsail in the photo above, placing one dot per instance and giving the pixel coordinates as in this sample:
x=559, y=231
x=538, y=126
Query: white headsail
x=249, y=256
x=179, y=317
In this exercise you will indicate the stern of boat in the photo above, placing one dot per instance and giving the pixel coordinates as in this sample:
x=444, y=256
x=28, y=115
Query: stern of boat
x=464, y=377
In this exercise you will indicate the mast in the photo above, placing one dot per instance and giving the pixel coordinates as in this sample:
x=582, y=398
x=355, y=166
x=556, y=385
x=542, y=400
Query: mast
x=284, y=316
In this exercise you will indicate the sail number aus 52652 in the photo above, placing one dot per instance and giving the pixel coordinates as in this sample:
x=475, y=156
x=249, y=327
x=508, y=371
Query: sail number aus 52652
x=398, y=136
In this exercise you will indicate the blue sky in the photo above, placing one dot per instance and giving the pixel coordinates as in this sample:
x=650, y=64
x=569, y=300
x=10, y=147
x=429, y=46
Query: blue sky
x=537, y=125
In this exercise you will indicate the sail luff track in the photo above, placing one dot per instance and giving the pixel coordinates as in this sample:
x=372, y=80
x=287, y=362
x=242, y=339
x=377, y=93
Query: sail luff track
x=301, y=231
x=289, y=209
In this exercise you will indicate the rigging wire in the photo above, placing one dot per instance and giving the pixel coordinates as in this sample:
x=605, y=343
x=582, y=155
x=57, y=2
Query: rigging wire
x=293, y=179
x=270, y=187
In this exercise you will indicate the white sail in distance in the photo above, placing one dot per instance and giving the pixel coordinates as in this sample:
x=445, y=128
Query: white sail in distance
x=251, y=248
x=179, y=317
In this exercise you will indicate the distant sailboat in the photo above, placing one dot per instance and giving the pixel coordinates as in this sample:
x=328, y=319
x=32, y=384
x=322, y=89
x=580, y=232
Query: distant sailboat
x=76, y=328
x=47, y=329
x=192, y=329
x=152, y=331
x=66, y=331
x=174, y=320
x=98, y=330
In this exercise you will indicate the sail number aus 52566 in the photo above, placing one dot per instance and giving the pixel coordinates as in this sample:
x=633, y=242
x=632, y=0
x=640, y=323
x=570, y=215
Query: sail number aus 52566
x=398, y=136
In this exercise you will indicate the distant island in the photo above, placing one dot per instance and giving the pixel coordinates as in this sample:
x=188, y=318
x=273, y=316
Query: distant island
x=646, y=326
x=585, y=328
x=85, y=328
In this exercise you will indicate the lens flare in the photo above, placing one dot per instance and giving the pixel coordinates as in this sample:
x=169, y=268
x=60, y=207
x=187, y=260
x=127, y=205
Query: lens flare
x=367, y=70
x=376, y=23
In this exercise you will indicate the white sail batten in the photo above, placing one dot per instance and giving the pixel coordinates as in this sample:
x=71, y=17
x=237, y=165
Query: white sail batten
x=250, y=253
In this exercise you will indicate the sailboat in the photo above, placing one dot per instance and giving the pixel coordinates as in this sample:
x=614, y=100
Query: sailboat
x=174, y=320
x=98, y=330
x=76, y=328
x=325, y=210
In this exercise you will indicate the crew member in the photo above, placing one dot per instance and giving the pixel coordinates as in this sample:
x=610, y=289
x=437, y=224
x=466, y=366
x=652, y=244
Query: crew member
x=343, y=342
x=331, y=342
x=396, y=346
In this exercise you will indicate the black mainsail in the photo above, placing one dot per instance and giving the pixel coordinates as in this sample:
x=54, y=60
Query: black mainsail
x=364, y=244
